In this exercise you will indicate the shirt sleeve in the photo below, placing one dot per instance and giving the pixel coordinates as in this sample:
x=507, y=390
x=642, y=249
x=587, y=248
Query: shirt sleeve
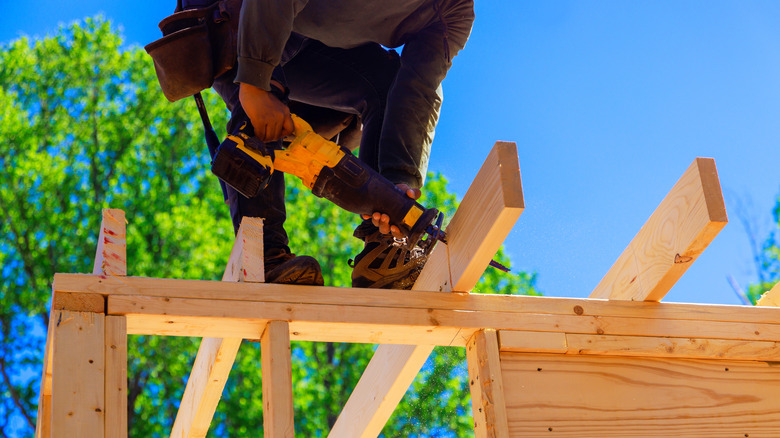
x=263, y=30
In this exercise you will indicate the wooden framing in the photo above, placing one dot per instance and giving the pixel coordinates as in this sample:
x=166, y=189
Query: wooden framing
x=487, y=213
x=617, y=364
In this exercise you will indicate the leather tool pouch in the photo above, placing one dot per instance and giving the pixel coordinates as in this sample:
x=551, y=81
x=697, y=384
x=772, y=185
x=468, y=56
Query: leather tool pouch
x=197, y=46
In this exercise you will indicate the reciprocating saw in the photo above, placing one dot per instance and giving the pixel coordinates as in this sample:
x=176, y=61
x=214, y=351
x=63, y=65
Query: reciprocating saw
x=331, y=172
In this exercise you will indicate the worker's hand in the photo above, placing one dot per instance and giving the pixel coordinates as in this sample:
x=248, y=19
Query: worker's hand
x=382, y=221
x=270, y=117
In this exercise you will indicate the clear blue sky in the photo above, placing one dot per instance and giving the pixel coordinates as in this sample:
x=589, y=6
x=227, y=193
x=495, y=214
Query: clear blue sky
x=609, y=103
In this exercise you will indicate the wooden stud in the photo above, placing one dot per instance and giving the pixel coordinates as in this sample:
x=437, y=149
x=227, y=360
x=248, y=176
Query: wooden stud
x=682, y=226
x=487, y=213
x=216, y=355
x=111, y=256
x=486, y=386
x=116, y=377
x=78, y=387
x=277, y=381
x=602, y=396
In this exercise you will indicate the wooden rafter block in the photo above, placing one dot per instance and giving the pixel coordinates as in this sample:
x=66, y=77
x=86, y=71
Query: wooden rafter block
x=78, y=386
x=486, y=385
x=216, y=356
x=111, y=256
x=276, y=366
x=682, y=226
x=484, y=218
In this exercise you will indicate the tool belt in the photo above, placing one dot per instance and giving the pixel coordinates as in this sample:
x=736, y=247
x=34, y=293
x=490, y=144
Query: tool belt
x=197, y=46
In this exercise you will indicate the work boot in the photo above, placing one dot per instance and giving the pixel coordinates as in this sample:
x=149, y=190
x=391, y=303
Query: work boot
x=283, y=267
x=384, y=263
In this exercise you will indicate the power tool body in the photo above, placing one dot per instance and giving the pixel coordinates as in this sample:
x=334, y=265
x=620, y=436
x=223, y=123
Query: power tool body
x=330, y=171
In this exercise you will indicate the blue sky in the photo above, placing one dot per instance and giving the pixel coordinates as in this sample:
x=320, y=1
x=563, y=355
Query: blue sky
x=609, y=102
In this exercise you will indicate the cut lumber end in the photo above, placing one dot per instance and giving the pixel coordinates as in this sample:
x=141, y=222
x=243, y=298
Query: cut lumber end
x=509, y=169
x=713, y=195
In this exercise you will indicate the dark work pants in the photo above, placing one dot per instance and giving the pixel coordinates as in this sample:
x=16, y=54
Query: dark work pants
x=354, y=81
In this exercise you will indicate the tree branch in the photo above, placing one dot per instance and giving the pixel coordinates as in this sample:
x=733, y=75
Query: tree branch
x=15, y=395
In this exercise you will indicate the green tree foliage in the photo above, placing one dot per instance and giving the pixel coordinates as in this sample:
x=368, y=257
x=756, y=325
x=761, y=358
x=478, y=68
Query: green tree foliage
x=83, y=126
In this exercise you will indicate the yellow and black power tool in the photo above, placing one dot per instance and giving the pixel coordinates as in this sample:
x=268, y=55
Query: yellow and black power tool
x=330, y=171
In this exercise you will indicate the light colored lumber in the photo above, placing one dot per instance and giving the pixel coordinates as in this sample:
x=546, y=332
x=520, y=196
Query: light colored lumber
x=216, y=355
x=428, y=322
x=116, y=377
x=484, y=218
x=277, y=381
x=486, y=386
x=682, y=226
x=418, y=299
x=643, y=346
x=111, y=255
x=78, y=390
x=204, y=387
x=598, y=396
x=770, y=298
x=532, y=342
x=79, y=302
x=246, y=258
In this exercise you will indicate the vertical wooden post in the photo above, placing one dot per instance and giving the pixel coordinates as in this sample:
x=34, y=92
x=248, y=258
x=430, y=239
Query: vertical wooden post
x=111, y=259
x=486, y=385
x=78, y=390
x=277, y=381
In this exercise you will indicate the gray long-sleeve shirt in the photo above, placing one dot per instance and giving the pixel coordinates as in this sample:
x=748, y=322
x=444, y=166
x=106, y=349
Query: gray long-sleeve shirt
x=432, y=32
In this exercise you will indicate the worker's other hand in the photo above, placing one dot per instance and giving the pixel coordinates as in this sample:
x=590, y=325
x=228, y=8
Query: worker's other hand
x=382, y=221
x=270, y=117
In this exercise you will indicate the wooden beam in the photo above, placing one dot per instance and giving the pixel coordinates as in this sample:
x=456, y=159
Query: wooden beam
x=486, y=386
x=601, y=396
x=383, y=298
x=78, y=387
x=111, y=255
x=641, y=346
x=427, y=324
x=277, y=381
x=216, y=355
x=682, y=226
x=116, y=377
x=771, y=298
x=487, y=213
